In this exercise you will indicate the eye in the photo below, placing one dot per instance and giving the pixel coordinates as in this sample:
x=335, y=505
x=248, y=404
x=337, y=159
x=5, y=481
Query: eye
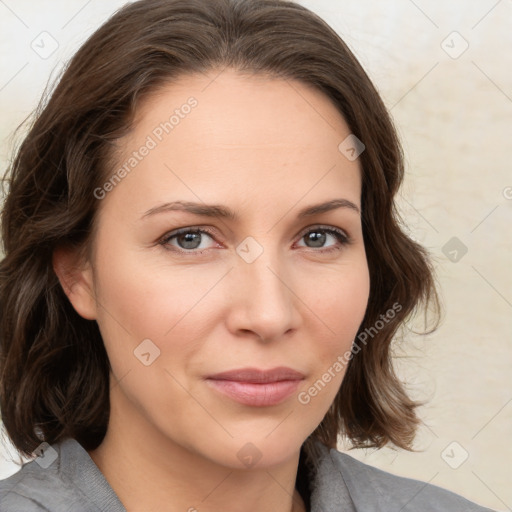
x=188, y=240
x=317, y=237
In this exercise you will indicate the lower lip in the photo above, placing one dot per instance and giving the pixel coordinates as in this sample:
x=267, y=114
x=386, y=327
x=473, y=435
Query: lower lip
x=257, y=395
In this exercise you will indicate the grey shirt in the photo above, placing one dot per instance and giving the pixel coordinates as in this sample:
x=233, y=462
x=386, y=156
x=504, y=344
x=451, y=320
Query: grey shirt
x=73, y=483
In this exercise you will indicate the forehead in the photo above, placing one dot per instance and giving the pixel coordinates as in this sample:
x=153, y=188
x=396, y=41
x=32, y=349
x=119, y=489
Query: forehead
x=244, y=135
x=237, y=108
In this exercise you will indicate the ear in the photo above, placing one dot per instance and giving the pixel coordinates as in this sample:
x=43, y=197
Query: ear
x=76, y=280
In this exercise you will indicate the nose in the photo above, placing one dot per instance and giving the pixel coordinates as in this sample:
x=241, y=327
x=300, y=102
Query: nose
x=263, y=300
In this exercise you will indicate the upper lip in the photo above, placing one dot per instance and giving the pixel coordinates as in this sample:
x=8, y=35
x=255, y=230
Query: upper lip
x=256, y=375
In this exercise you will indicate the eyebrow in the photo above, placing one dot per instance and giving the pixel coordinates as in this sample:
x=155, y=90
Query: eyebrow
x=220, y=211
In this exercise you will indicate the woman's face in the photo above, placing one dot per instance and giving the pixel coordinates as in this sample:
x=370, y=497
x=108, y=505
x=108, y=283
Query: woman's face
x=269, y=288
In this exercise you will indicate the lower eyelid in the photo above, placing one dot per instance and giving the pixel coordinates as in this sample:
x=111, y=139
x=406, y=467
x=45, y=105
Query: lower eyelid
x=341, y=236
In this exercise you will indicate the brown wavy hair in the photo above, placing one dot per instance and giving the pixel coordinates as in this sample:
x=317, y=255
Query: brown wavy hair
x=54, y=370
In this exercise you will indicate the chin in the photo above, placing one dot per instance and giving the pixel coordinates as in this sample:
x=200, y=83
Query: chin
x=255, y=451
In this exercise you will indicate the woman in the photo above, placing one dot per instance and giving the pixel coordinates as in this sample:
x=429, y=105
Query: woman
x=204, y=270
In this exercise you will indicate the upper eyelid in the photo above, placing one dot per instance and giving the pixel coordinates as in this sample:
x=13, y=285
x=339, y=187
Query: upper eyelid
x=209, y=231
x=325, y=227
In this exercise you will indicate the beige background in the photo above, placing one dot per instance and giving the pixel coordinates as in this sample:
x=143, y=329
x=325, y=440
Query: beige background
x=453, y=109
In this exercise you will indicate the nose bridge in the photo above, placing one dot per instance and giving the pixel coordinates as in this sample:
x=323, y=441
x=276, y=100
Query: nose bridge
x=264, y=290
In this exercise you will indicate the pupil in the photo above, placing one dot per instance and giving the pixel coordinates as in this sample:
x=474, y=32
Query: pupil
x=189, y=239
x=316, y=237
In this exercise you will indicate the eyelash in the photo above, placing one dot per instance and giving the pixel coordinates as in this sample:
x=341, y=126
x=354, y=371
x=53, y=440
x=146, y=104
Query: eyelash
x=340, y=235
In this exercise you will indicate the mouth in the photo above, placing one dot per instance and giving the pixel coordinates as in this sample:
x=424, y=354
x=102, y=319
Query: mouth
x=256, y=387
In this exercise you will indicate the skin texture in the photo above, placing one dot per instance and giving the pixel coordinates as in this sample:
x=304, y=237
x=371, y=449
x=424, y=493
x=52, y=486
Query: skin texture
x=266, y=148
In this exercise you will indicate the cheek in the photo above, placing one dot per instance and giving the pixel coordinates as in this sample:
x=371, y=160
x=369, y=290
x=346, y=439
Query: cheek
x=340, y=302
x=152, y=299
x=143, y=299
x=339, y=306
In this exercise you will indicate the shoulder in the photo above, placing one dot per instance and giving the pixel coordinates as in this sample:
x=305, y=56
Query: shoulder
x=42, y=485
x=13, y=502
x=31, y=489
x=371, y=488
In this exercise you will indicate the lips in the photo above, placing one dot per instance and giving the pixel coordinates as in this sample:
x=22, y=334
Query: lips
x=257, y=387
x=258, y=376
